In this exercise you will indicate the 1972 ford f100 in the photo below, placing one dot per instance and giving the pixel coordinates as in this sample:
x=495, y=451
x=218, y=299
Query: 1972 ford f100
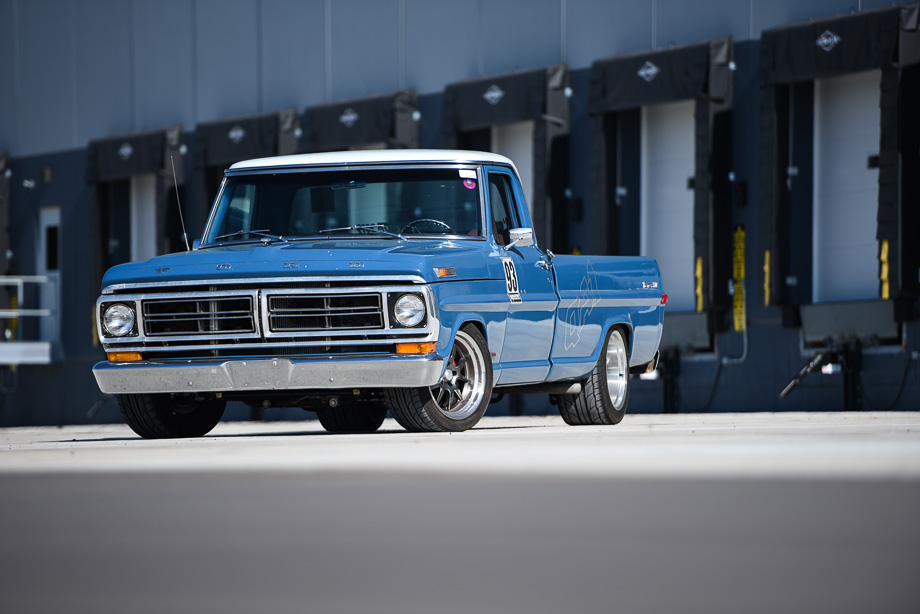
x=357, y=283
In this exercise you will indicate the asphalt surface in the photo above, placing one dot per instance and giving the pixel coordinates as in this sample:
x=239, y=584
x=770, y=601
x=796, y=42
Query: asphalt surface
x=691, y=513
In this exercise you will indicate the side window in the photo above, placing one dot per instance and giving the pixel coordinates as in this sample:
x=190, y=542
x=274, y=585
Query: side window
x=504, y=216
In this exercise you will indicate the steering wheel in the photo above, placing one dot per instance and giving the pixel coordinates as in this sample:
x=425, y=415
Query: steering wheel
x=411, y=225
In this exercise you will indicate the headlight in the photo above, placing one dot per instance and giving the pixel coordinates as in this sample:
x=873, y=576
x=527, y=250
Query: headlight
x=118, y=320
x=409, y=310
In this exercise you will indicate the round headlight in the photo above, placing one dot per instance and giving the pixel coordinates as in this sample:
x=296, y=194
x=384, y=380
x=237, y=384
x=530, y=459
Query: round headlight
x=409, y=310
x=118, y=320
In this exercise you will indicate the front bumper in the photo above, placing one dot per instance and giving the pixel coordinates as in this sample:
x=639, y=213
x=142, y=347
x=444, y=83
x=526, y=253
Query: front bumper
x=147, y=377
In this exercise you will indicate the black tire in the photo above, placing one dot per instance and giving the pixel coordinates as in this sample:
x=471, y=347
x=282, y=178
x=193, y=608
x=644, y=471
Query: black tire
x=159, y=416
x=354, y=418
x=459, y=400
x=605, y=395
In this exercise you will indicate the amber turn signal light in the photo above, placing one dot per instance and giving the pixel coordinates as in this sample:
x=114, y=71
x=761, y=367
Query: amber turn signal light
x=123, y=356
x=415, y=348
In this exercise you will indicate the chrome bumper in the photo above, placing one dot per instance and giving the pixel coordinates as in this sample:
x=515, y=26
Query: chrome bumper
x=268, y=374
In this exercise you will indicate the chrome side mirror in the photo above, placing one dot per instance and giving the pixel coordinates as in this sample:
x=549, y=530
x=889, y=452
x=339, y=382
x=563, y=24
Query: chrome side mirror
x=520, y=237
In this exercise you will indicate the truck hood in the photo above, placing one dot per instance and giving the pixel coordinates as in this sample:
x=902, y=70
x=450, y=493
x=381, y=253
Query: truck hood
x=318, y=258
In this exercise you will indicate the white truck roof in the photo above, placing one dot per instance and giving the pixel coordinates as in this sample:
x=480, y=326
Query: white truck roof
x=378, y=156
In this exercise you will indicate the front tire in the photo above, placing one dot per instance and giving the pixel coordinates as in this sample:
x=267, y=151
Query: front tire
x=605, y=395
x=160, y=416
x=355, y=418
x=459, y=400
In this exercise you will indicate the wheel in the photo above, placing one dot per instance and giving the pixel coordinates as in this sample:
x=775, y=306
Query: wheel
x=160, y=416
x=605, y=394
x=425, y=220
x=459, y=400
x=355, y=418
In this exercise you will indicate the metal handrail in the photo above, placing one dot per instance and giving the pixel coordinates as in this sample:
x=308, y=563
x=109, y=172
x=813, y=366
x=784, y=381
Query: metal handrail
x=19, y=282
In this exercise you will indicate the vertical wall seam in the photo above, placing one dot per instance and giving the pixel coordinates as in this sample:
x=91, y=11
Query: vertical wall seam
x=480, y=60
x=563, y=26
x=73, y=73
x=260, y=102
x=194, y=42
x=654, y=24
x=751, y=20
x=17, y=80
x=132, y=62
x=328, y=65
x=403, y=68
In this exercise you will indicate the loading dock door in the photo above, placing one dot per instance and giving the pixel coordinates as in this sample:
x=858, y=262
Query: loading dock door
x=143, y=217
x=515, y=141
x=846, y=135
x=667, y=202
x=48, y=264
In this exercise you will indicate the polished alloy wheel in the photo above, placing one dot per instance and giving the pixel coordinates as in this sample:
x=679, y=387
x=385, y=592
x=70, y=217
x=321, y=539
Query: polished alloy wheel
x=462, y=387
x=617, y=370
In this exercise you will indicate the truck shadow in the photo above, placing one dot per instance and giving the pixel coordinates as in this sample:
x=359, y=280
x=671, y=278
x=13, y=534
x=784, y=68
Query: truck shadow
x=310, y=434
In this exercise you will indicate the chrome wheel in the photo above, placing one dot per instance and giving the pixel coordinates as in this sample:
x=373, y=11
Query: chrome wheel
x=617, y=365
x=459, y=400
x=605, y=393
x=460, y=392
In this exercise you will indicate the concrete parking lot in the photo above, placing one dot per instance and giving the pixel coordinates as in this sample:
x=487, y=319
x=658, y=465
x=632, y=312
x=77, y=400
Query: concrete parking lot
x=691, y=513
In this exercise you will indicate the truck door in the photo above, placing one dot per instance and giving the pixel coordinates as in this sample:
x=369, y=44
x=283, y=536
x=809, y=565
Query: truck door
x=532, y=297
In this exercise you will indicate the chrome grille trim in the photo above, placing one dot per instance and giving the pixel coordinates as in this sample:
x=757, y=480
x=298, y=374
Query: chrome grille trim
x=260, y=335
x=198, y=316
x=303, y=312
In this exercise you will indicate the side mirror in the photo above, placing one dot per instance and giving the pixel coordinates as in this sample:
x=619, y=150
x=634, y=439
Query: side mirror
x=520, y=237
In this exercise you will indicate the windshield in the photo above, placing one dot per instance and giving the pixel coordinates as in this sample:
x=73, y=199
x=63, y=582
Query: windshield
x=394, y=203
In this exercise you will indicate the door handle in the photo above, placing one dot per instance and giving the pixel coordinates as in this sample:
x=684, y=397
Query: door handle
x=543, y=264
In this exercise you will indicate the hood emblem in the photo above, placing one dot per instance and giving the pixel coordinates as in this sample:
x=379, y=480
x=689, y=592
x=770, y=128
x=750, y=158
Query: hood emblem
x=828, y=40
x=648, y=72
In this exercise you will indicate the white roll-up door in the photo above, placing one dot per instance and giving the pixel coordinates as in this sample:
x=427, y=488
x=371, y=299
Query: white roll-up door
x=143, y=217
x=667, y=202
x=515, y=141
x=846, y=134
x=48, y=263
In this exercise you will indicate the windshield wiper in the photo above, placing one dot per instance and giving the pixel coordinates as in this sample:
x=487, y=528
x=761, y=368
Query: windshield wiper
x=266, y=236
x=371, y=227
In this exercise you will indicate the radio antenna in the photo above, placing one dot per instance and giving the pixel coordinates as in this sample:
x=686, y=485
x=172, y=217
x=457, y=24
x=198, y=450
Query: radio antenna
x=179, y=204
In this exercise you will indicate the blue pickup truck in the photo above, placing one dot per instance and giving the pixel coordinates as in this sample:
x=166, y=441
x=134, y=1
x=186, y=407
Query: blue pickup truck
x=356, y=283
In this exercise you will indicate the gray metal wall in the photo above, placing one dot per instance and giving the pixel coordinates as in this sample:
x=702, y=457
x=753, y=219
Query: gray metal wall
x=75, y=70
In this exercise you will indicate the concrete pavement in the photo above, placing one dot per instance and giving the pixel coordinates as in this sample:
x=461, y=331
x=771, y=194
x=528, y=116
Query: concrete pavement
x=709, y=514
x=788, y=445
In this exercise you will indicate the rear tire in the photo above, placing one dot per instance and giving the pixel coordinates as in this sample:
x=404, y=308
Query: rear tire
x=160, y=416
x=605, y=395
x=355, y=418
x=459, y=400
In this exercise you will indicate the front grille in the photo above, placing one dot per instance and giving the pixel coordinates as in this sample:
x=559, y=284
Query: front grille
x=317, y=312
x=199, y=316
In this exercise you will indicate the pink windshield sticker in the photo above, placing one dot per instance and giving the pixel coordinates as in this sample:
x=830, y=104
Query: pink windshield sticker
x=469, y=184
